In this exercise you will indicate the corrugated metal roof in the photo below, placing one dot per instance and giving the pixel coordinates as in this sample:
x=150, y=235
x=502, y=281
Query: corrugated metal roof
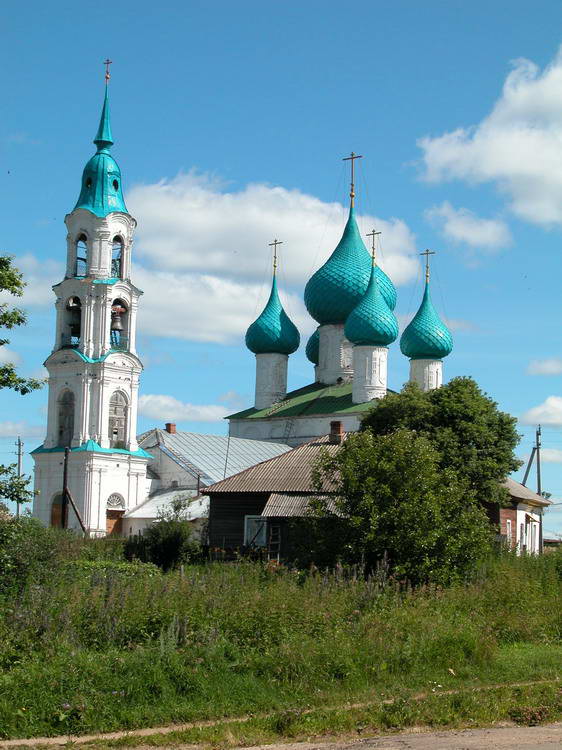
x=162, y=501
x=290, y=472
x=282, y=505
x=524, y=494
x=212, y=456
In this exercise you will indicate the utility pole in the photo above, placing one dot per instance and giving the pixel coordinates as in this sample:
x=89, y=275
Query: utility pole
x=64, y=508
x=19, y=445
x=539, y=482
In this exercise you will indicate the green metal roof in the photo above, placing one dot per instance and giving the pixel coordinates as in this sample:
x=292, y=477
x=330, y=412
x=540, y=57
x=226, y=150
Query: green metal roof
x=101, y=191
x=90, y=446
x=314, y=399
x=273, y=331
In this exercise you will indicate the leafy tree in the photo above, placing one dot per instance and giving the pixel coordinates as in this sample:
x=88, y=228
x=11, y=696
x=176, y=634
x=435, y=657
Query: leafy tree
x=11, y=281
x=13, y=487
x=399, y=504
x=471, y=435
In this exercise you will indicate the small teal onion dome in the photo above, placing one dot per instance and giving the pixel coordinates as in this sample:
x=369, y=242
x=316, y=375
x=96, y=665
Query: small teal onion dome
x=372, y=322
x=101, y=191
x=273, y=332
x=336, y=288
x=313, y=348
x=426, y=337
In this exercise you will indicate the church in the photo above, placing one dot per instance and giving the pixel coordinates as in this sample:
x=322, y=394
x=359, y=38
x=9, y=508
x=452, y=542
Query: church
x=112, y=475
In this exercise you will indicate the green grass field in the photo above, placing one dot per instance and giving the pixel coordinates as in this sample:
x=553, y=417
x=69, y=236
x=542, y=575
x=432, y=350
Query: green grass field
x=99, y=647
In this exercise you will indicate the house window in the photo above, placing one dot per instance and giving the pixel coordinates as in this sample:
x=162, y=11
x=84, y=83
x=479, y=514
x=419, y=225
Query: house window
x=117, y=420
x=255, y=531
x=508, y=532
x=81, y=267
x=65, y=419
x=117, y=257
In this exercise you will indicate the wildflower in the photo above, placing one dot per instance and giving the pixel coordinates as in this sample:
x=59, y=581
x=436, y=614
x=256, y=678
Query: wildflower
x=66, y=706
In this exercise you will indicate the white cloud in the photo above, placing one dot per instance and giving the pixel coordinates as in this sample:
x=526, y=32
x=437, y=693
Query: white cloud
x=191, y=223
x=551, y=455
x=163, y=407
x=8, y=357
x=454, y=324
x=552, y=366
x=460, y=225
x=549, y=412
x=517, y=146
x=23, y=429
x=39, y=276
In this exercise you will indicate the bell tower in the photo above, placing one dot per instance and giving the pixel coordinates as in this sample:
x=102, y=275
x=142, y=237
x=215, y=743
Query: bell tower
x=93, y=368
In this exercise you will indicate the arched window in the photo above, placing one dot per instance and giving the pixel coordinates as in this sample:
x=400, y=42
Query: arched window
x=56, y=511
x=119, y=331
x=81, y=268
x=117, y=257
x=118, y=420
x=65, y=419
x=72, y=327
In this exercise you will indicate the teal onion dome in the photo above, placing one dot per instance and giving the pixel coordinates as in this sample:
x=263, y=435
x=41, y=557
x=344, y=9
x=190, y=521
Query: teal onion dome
x=273, y=332
x=101, y=191
x=313, y=348
x=372, y=322
x=336, y=288
x=426, y=337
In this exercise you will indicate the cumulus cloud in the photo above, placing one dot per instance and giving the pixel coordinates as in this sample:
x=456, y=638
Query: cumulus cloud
x=552, y=366
x=460, y=225
x=8, y=357
x=517, y=146
x=192, y=223
x=549, y=412
x=21, y=429
x=39, y=276
x=161, y=407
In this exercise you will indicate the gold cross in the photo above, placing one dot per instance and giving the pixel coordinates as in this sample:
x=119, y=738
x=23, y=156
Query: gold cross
x=373, y=235
x=352, y=160
x=274, y=246
x=107, y=63
x=427, y=253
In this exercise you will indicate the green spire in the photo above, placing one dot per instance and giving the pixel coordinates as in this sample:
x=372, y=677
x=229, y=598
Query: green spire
x=101, y=192
x=104, y=139
x=273, y=331
x=426, y=337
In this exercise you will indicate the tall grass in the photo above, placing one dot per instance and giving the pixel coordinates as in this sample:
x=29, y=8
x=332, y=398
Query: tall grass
x=99, y=648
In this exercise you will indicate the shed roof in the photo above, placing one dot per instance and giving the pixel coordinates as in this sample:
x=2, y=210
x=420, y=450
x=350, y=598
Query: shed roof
x=212, y=457
x=289, y=472
x=162, y=501
x=283, y=505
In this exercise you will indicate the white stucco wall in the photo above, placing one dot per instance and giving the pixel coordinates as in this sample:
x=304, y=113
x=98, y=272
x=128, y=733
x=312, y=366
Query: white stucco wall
x=369, y=373
x=427, y=373
x=271, y=379
x=292, y=431
x=335, y=362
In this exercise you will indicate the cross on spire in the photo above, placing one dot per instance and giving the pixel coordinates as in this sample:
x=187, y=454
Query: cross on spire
x=373, y=235
x=107, y=62
x=274, y=246
x=352, y=160
x=427, y=253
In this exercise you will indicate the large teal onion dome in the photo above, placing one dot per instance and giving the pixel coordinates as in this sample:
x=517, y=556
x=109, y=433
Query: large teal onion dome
x=101, y=191
x=334, y=290
x=426, y=337
x=313, y=348
x=372, y=322
x=273, y=332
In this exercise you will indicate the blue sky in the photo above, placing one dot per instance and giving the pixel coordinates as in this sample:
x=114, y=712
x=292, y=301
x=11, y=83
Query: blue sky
x=230, y=122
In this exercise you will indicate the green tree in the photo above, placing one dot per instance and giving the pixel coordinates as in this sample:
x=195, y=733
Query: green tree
x=11, y=281
x=472, y=436
x=402, y=507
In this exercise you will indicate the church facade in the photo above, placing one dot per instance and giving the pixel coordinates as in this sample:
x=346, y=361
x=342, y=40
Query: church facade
x=93, y=368
x=353, y=300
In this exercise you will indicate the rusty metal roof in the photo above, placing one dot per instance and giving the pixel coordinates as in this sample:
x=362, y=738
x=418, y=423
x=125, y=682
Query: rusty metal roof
x=283, y=505
x=289, y=472
x=523, y=494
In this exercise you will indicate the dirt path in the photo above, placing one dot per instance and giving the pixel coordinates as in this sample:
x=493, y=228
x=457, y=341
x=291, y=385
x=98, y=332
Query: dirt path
x=75, y=740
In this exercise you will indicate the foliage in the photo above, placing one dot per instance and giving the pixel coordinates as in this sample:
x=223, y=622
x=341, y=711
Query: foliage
x=168, y=542
x=472, y=436
x=400, y=506
x=88, y=652
x=13, y=487
x=102, y=568
x=11, y=281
